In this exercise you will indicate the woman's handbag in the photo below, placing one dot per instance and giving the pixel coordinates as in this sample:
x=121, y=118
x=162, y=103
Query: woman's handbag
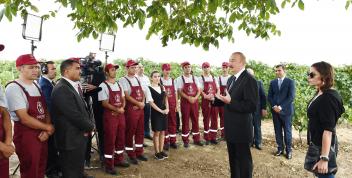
x=313, y=156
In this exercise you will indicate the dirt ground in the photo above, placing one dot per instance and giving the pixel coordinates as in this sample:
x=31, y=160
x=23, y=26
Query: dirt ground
x=212, y=161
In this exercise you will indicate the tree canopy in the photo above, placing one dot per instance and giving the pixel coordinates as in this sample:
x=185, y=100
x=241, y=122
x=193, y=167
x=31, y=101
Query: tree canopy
x=195, y=22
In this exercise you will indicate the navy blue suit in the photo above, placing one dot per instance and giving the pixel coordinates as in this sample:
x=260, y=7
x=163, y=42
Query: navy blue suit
x=282, y=97
x=257, y=115
x=52, y=164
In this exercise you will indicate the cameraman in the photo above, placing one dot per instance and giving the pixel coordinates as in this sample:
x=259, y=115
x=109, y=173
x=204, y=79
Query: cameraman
x=93, y=75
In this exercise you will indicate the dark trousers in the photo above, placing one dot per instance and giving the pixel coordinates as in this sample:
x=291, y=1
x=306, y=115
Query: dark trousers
x=283, y=124
x=178, y=121
x=52, y=166
x=257, y=122
x=146, y=119
x=87, y=154
x=240, y=159
x=72, y=162
x=98, y=116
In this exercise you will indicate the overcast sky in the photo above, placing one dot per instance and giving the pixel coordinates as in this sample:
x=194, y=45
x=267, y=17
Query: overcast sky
x=321, y=32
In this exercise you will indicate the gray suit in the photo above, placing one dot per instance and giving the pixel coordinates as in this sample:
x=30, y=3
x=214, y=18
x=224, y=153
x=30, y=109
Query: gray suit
x=72, y=121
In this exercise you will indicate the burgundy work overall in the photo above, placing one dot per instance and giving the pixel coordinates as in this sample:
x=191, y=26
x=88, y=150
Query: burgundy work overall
x=170, y=133
x=114, y=130
x=32, y=153
x=210, y=113
x=189, y=110
x=134, y=122
x=4, y=162
x=221, y=108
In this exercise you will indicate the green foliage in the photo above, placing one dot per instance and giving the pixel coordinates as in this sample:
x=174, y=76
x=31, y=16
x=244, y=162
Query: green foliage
x=263, y=72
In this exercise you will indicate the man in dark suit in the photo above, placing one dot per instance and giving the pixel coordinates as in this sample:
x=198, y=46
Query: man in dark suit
x=46, y=83
x=241, y=100
x=72, y=120
x=281, y=95
x=259, y=113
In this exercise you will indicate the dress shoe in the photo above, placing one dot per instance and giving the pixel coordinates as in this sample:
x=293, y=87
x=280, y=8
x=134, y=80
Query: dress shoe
x=199, y=143
x=186, y=145
x=166, y=147
x=145, y=145
x=133, y=161
x=173, y=145
x=258, y=147
x=148, y=137
x=214, y=142
x=142, y=158
x=122, y=164
x=111, y=171
x=278, y=153
x=289, y=155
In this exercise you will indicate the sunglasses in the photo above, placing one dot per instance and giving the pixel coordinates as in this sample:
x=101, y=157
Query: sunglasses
x=311, y=74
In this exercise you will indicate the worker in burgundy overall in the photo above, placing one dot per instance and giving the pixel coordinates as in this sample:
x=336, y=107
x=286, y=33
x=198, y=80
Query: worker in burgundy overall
x=135, y=96
x=113, y=101
x=6, y=147
x=32, y=124
x=209, y=87
x=223, y=84
x=171, y=91
x=188, y=88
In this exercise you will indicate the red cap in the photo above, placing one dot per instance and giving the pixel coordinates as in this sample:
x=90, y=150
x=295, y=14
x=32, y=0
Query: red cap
x=75, y=59
x=2, y=47
x=26, y=59
x=186, y=63
x=131, y=62
x=166, y=67
x=109, y=66
x=205, y=65
x=225, y=64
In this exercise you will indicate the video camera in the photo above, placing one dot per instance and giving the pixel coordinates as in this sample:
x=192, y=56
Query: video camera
x=89, y=67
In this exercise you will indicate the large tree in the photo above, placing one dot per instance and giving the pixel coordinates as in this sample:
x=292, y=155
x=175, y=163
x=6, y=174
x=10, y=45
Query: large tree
x=195, y=22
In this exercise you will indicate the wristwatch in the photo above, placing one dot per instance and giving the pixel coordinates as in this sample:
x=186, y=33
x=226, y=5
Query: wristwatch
x=324, y=158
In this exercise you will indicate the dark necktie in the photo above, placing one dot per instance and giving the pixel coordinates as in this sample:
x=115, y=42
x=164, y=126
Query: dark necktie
x=52, y=82
x=232, y=82
x=80, y=90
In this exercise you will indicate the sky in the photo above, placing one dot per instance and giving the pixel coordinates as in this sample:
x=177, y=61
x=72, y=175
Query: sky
x=321, y=32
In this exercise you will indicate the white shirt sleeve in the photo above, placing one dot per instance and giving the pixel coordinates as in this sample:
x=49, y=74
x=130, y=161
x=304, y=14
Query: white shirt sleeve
x=179, y=83
x=200, y=81
x=15, y=97
x=197, y=82
x=217, y=82
x=148, y=94
x=125, y=85
x=104, y=93
x=3, y=102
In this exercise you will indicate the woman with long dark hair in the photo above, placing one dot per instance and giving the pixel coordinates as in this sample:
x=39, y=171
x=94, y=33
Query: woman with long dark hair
x=323, y=111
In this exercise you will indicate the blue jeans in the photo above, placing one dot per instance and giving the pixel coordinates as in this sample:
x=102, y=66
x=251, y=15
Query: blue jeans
x=257, y=128
x=327, y=176
x=146, y=119
x=283, y=125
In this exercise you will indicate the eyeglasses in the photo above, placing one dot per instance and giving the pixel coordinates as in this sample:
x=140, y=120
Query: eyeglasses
x=311, y=74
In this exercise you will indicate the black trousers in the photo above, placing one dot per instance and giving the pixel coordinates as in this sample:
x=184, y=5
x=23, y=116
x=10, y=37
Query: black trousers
x=240, y=159
x=52, y=166
x=72, y=162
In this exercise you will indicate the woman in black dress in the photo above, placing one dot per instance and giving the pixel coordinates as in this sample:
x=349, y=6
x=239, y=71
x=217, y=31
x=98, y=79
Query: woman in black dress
x=159, y=111
x=323, y=112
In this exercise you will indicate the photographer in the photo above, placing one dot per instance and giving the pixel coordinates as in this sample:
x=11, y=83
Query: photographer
x=92, y=76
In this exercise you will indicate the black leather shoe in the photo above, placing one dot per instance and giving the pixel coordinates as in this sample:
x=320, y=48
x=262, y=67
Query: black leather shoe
x=278, y=153
x=258, y=147
x=199, y=143
x=186, y=145
x=214, y=142
x=148, y=137
x=111, y=171
x=122, y=164
x=289, y=155
x=173, y=145
x=142, y=158
x=133, y=161
x=145, y=145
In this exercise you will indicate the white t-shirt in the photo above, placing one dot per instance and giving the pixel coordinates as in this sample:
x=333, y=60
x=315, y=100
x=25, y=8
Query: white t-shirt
x=208, y=79
x=179, y=81
x=168, y=82
x=104, y=93
x=144, y=80
x=16, y=98
x=223, y=80
x=126, y=87
x=3, y=102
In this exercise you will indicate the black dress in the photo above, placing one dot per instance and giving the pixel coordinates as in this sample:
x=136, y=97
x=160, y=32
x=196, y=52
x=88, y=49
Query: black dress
x=158, y=120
